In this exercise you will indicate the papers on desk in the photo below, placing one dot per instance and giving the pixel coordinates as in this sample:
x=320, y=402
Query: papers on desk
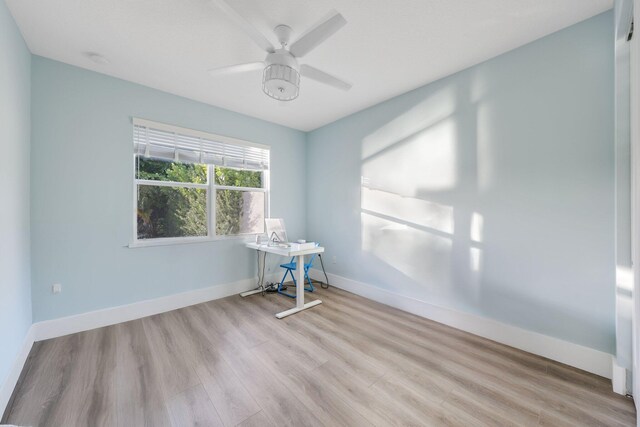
x=293, y=246
x=302, y=246
x=278, y=245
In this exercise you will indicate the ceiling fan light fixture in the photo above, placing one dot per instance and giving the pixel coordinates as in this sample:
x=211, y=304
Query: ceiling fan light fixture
x=281, y=82
x=281, y=72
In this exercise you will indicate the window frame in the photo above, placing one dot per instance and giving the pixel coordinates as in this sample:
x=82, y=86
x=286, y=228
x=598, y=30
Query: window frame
x=211, y=188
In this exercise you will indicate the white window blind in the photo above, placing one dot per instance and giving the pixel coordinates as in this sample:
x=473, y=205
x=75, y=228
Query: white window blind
x=162, y=141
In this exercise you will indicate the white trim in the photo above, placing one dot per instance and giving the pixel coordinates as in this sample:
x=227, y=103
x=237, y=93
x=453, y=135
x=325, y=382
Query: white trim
x=623, y=19
x=212, y=196
x=211, y=188
x=581, y=357
x=619, y=378
x=165, y=241
x=249, y=189
x=197, y=133
x=634, y=102
x=158, y=183
x=14, y=374
x=575, y=355
x=134, y=205
x=110, y=316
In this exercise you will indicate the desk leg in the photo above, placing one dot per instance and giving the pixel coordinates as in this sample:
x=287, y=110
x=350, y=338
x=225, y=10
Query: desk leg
x=300, y=286
x=300, y=305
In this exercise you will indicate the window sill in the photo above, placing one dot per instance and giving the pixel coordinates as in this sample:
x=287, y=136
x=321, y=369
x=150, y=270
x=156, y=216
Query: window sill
x=188, y=240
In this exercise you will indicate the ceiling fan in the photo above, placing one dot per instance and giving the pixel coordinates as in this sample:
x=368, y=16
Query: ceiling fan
x=280, y=69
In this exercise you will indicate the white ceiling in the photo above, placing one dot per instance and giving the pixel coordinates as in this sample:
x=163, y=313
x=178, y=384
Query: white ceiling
x=386, y=48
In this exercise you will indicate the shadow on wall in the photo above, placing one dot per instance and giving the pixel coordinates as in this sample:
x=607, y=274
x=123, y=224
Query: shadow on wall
x=413, y=216
x=437, y=218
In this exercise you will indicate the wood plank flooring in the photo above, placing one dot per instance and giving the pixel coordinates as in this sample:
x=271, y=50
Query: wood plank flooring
x=347, y=362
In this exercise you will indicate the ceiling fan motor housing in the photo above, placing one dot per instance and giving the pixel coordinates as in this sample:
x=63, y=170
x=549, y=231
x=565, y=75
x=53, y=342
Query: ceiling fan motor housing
x=281, y=76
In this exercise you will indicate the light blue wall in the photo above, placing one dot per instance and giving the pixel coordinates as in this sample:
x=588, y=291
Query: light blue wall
x=15, y=291
x=82, y=192
x=490, y=191
x=494, y=189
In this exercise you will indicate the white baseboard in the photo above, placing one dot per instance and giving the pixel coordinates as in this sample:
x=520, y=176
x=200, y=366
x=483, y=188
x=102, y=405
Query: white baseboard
x=14, y=374
x=581, y=357
x=123, y=313
x=619, y=378
x=110, y=316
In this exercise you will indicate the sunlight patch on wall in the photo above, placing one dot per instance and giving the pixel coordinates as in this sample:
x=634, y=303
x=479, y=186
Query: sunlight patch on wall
x=426, y=161
x=418, y=254
x=624, y=315
x=474, y=255
x=624, y=278
x=416, y=211
x=477, y=223
x=436, y=107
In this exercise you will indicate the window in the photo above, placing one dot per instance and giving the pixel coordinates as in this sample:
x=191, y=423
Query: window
x=190, y=185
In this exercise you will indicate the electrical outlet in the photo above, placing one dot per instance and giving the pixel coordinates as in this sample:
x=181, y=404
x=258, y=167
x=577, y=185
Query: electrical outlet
x=56, y=288
x=334, y=260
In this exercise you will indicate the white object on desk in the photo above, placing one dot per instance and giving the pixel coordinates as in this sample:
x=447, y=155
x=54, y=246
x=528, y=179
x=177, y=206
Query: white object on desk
x=302, y=246
x=298, y=252
x=276, y=231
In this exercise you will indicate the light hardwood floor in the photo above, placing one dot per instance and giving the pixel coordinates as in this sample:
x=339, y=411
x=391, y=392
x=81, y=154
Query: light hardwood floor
x=348, y=362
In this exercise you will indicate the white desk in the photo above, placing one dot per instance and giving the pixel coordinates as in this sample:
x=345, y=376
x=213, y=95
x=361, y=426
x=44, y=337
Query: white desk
x=289, y=252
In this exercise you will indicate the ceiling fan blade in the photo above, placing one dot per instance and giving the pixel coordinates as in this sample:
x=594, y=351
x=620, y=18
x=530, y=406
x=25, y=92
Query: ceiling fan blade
x=317, y=34
x=256, y=35
x=322, y=77
x=234, y=69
